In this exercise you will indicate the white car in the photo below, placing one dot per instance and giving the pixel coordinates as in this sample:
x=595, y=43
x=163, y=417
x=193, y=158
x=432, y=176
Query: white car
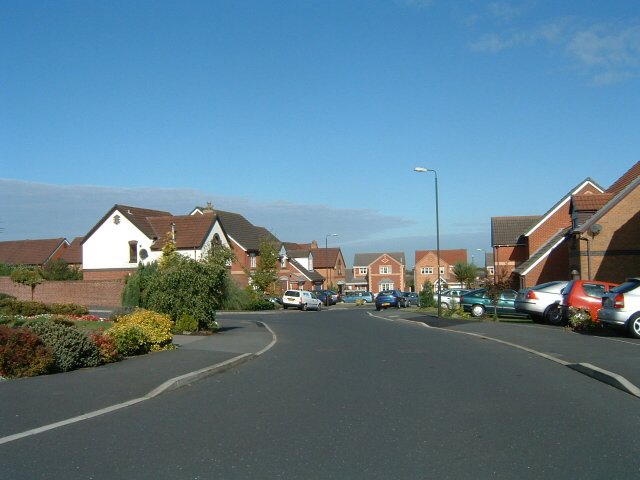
x=621, y=307
x=301, y=299
x=450, y=296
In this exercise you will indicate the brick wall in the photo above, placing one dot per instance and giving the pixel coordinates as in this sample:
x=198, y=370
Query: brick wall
x=102, y=293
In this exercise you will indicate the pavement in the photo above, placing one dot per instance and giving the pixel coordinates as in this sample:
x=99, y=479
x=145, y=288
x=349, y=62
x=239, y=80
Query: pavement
x=33, y=405
x=607, y=356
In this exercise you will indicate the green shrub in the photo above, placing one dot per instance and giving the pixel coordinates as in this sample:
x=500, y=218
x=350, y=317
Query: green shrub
x=18, y=307
x=68, y=309
x=426, y=295
x=186, y=323
x=141, y=331
x=256, y=304
x=107, y=347
x=22, y=353
x=4, y=296
x=71, y=348
x=60, y=270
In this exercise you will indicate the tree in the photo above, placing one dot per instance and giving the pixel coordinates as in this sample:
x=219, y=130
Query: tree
x=60, y=270
x=266, y=272
x=27, y=276
x=426, y=295
x=465, y=273
x=494, y=287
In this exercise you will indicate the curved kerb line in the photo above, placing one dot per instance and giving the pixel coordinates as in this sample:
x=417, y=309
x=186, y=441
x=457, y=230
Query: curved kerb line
x=167, y=386
x=597, y=373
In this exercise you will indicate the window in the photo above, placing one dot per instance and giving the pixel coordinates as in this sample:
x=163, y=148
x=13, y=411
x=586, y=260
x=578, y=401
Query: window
x=426, y=270
x=490, y=270
x=362, y=270
x=441, y=270
x=133, y=251
x=283, y=262
x=385, y=269
x=386, y=286
x=252, y=260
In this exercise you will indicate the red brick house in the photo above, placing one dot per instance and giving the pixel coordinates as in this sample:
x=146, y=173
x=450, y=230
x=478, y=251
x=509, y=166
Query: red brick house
x=568, y=241
x=522, y=243
x=426, y=266
x=297, y=267
x=33, y=253
x=375, y=272
x=604, y=243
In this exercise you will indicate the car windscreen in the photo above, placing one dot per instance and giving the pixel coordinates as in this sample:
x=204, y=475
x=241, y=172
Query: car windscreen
x=626, y=286
x=292, y=293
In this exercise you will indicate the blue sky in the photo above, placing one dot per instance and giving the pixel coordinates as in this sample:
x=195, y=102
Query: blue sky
x=308, y=117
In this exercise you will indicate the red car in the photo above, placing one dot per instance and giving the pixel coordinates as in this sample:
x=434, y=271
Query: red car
x=584, y=294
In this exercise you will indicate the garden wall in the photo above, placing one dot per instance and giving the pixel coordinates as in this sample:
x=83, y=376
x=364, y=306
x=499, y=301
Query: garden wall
x=94, y=293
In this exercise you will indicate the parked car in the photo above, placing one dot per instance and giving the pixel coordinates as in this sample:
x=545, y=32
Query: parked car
x=449, y=296
x=477, y=302
x=412, y=299
x=301, y=299
x=621, y=307
x=354, y=296
x=542, y=302
x=585, y=294
x=328, y=297
x=390, y=298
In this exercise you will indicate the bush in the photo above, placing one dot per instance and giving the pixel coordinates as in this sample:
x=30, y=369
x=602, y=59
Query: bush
x=580, y=320
x=141, y=331
x=22, y=353
x=4, y=296
x=68, y=309
x=426, y=296
x=186, y=323
x=256, y=304
x=107, y=347
x=18, y=307
x=71, y=348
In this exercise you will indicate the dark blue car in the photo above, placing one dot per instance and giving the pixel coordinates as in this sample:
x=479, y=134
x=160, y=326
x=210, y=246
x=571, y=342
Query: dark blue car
x=390, y=298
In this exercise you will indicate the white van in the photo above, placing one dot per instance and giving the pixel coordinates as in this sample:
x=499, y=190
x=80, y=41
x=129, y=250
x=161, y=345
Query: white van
x=301, y=299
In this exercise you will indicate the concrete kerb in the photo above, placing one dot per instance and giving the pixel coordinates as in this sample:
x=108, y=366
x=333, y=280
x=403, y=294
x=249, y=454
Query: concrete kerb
x=167, y=386
x=597, y=373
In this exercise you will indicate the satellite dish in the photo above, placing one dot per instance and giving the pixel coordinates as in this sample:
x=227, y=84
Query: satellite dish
x=144, y=254
x=595, y=229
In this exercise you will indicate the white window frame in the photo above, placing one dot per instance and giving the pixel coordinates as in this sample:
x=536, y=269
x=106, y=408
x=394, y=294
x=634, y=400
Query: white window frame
x=386, y=286
x=442, y=270
x=385, y=269
x=362, y=270
x=426, y=270
x=252, y=260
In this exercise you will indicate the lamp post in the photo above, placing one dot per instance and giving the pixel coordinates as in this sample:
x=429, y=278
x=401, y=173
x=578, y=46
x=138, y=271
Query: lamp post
x=424, y=170
x=326, y=255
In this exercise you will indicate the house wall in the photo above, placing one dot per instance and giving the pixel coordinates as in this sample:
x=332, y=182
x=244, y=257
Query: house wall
x=509, y=257
x=615, y=251
x=104, y=293
x=108, y=246
x=558, y=220
x=396, y=275
x=553, y=267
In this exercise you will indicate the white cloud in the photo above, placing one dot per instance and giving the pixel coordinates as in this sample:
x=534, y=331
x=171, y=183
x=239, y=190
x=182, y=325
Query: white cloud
x=605, y=53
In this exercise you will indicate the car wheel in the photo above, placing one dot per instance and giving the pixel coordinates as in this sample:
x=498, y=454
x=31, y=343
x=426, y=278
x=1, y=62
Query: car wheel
x=319, y=307
x=285, y=306
x=553, y=315
x=444, y=306
x=477, y=310
x=303, y=307
x=377, y=308
x=634, y=326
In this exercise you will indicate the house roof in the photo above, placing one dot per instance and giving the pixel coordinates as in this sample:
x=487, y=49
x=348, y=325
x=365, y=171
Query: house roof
x=449, y=256
x=590, y=202
x=243, y=232
x=366, y=259
x=610, y=204
x=312, y=275
x=30, y=252
x=73, y=253
x=191, y=230
x=509, y=230
x=351, y=279
x=325, y=257
x=629, y=176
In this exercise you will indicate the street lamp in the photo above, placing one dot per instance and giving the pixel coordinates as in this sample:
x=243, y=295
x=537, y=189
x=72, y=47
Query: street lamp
x=424, y=170
x=326, y=254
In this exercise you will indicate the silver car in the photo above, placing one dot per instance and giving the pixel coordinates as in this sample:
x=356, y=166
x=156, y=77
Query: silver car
x=621, y=307
x=450, y=296
x=542, y=302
